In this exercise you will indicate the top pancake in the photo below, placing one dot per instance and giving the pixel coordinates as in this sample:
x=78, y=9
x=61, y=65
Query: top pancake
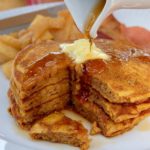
x=123, y=79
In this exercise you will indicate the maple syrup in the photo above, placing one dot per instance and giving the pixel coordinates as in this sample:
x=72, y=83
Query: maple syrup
x=46, y=61
x=90, y=67
x=95, y=66
x=93, y=16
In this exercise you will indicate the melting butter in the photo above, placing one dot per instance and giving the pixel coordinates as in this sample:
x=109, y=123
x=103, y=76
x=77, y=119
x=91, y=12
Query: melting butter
x=82, y=50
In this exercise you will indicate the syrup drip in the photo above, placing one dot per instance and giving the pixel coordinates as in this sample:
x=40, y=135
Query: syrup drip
x=145, y=59
x=92, y=17
x=90, y=67
x=95, y=66
x=83, y=94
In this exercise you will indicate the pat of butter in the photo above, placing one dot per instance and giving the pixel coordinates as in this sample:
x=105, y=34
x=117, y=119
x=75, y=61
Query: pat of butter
x=81, y=51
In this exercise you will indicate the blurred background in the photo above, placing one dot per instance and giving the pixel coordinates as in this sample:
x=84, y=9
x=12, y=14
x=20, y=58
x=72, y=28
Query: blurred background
x=8, y=4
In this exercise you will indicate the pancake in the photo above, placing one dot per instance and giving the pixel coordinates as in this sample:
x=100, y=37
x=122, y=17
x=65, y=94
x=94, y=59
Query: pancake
x=58, y=128
x=108, y=127
x=22, y=94
x=39, y=83
x=35, y=65
x=118, y=112
x=45, y=94
x=116, y=93
x=123, y=79
x=26, y=118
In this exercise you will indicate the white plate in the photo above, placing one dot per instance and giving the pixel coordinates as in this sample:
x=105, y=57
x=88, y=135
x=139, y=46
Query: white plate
x=5, y=145
x=135, y=139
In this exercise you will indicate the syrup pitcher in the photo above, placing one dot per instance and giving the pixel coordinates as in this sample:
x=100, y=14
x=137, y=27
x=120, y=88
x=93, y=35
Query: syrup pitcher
x=89, y=14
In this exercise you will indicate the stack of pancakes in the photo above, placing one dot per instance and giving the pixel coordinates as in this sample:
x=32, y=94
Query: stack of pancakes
x=40, y=82
x=114, y=94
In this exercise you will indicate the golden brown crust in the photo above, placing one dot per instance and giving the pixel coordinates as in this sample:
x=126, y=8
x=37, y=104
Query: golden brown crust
x=118, y=112
x=26, y=118
x=47, y=93
x=95, y=129
x=109, y=128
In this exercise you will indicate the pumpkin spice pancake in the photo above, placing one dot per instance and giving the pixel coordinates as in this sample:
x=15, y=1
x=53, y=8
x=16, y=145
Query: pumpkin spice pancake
x=40, y=82
x=115, y=94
